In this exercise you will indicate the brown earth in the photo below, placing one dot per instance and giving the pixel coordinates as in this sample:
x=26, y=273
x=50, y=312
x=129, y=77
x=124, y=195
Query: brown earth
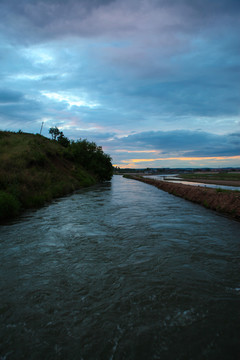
x=224, y=202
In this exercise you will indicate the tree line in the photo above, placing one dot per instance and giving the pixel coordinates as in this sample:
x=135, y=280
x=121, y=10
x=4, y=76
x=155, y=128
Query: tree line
x=86, y=154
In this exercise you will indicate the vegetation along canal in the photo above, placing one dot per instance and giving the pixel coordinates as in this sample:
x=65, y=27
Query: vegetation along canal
x=121, y=270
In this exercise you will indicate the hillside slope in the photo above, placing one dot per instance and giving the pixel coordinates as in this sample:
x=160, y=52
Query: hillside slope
x=35, y=170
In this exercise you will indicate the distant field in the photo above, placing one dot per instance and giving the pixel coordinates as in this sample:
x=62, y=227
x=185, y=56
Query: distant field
x=212, y=176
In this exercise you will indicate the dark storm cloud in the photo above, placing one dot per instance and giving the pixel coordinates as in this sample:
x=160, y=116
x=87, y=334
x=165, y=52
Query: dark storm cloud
x=20, y=113
x=10, y=96
x=112, y=18
x=190, y=143
x=106, y=69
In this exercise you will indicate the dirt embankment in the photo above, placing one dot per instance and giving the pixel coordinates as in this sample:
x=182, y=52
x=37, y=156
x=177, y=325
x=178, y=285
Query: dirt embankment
x=225, y=202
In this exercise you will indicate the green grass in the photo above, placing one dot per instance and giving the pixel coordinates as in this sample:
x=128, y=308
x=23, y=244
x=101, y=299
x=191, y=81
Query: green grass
x=212, y=176
x=9, y=205
x=35, y=170
x=206, y=204
x=219, y=190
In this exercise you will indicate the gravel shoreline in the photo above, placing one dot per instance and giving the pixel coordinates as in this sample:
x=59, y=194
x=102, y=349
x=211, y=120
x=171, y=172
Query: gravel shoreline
x=224, y=202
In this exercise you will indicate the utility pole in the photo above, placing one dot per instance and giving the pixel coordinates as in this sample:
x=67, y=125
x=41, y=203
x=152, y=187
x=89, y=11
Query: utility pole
x=41, y=128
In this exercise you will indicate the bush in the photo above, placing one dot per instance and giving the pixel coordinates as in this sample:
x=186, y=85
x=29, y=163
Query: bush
x=84, y=178
x=9, y=205
x=63, y=140
x=92, y=158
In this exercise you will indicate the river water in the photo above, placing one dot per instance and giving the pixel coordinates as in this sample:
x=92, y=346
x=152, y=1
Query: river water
x=121, y=270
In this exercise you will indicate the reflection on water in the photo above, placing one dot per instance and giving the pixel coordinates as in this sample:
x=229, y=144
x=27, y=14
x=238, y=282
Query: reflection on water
x=120, y=271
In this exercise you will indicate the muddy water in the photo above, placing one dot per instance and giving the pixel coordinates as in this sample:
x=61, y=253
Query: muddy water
x=120, y=271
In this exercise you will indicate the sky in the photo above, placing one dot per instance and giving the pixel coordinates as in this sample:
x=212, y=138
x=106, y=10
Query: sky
x=156, y=83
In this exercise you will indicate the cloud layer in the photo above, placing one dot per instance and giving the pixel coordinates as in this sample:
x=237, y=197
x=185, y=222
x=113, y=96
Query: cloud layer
x=131, y=75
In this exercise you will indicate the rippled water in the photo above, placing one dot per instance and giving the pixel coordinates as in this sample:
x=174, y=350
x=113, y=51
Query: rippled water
x=120, y=271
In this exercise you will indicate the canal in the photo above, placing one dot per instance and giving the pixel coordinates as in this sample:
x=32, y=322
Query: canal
x=121, y=270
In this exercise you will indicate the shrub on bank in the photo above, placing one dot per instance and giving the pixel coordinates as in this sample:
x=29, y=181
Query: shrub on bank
x=91, y=157
x=84, y=178
x=9, y=205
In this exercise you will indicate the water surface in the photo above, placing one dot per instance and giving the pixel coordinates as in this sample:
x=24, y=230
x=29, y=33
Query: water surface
x=122, y=270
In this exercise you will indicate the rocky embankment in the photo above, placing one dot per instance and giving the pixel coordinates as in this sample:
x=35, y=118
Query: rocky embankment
x=222, y=201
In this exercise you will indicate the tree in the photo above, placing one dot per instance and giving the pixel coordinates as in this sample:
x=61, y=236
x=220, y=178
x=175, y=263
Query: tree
x=59, y=136
x=63, y=140
x=54, y=131
x=92, y=158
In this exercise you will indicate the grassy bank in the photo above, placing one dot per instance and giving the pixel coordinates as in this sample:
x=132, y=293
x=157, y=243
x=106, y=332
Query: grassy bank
x=224, y=176
x=224, y=202
x=34, y=170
